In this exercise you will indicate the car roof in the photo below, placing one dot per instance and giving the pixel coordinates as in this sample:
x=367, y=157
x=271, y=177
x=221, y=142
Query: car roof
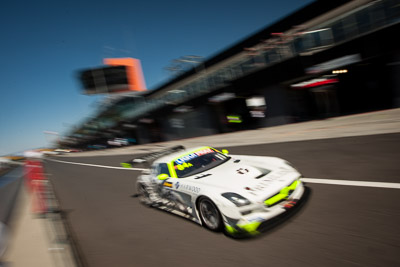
x=181, y=153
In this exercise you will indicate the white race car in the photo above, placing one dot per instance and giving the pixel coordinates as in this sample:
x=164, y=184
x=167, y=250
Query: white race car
x=232, y=193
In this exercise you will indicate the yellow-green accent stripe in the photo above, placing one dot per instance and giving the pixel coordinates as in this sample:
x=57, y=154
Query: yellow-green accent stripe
x=231, y=230
x=283, y=194
x=251, y=228
x=171, y=169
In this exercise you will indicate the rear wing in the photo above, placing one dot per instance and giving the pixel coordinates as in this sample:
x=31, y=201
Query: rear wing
x=152, y=156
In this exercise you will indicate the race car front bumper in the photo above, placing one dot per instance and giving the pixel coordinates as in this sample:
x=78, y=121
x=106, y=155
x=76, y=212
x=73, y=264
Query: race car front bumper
x=252, y=223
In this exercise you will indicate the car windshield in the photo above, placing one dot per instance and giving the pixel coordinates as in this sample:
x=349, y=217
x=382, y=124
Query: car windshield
x=198, y=161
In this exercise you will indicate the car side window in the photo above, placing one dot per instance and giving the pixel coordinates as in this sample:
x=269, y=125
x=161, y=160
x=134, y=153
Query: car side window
x=163, y=169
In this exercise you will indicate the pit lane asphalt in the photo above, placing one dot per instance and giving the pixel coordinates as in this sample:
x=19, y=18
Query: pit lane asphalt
x=337, y=226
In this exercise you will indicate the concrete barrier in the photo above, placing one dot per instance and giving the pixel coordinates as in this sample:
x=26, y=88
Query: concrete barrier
x=10, y=184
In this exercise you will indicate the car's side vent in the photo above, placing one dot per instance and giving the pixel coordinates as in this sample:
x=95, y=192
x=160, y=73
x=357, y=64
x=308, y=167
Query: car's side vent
x=202, y=176
x=261, y=175
x=263, y=172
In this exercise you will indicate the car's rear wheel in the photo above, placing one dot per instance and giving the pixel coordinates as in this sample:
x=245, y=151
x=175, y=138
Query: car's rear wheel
x=143, y=194
x=209, y=214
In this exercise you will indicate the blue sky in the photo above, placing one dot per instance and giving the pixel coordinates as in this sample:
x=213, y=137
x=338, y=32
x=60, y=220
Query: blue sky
x=44, y=43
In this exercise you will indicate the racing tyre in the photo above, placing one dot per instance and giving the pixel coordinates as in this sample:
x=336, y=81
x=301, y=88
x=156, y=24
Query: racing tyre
x=143, y=194
x=209, y=214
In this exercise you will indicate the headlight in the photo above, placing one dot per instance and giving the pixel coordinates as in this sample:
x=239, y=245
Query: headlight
x=236, y=199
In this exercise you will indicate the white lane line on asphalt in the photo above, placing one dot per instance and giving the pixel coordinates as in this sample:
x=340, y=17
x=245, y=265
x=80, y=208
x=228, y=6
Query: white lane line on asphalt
x=352, y=183
x=99, y=166
x=307, y=180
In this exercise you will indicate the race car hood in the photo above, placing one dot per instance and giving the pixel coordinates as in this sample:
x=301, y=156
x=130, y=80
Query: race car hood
x=252, y=182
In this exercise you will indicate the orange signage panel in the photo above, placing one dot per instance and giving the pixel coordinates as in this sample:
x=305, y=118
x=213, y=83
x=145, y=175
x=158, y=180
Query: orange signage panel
x=134, y=73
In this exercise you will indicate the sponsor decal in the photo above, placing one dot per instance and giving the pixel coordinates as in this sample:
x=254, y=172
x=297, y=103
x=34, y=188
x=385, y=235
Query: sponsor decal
x=185, y=187
x=196, y=154
x=183, y=166
x=204, y=151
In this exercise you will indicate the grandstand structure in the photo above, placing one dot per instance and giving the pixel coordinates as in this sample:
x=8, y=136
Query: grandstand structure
x=330, y=58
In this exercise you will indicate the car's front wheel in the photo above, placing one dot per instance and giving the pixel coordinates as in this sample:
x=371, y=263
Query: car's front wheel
x=209, y=214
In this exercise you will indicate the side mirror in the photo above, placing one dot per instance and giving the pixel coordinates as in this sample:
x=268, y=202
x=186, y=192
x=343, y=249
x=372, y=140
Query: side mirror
x=126, y=165
x=225, y=152
x=162, y=176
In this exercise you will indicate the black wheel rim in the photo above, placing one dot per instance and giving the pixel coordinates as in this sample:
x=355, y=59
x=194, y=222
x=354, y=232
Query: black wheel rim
x=209, y=214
